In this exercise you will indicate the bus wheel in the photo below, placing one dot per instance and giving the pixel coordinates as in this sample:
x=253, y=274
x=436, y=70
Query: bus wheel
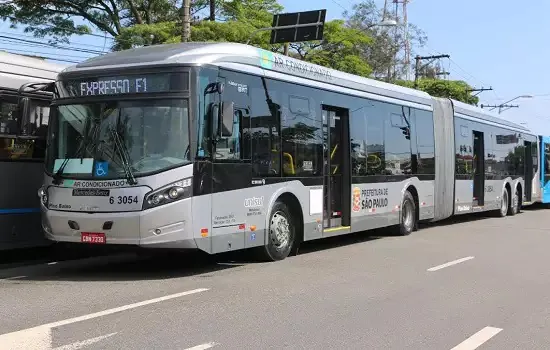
x=408, y=215
x=515, y=203
x=504, y=203
x=281, y=233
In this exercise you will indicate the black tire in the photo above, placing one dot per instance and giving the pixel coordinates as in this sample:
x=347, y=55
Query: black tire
x=407, y=219
x=281, y=233
x=515, y=203
x=504, y=204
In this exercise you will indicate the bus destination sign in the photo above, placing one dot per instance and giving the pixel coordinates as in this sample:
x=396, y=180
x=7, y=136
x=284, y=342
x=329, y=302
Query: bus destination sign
x=121, y=85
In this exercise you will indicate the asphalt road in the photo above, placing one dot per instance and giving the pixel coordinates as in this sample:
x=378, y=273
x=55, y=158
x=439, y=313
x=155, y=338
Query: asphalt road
x=461, y=285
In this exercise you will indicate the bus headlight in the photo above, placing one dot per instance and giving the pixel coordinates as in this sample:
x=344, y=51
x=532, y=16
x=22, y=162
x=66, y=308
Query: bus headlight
x=168, y=194
x=43, y=194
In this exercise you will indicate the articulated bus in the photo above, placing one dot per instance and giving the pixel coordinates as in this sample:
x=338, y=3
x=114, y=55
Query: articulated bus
x=545, y=168
x=223, y=146
x=23, y=130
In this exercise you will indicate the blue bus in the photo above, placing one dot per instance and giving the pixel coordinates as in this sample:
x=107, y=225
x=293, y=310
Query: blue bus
x=545, y=168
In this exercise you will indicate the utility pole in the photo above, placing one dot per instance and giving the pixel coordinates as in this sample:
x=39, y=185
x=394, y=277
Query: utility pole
x=479, y=90
x=500, y=107
x=418, y=68
x=186, y=21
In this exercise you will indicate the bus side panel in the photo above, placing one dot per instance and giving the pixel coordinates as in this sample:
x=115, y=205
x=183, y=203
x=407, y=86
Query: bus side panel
x=240, y=217
x=445, y=158
x=20, y=222
x=376, y=205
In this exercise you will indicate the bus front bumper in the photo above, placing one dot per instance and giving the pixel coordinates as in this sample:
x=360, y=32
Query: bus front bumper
x=168, y=226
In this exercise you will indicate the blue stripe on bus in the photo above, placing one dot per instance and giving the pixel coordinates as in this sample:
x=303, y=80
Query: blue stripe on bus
x=19, y=210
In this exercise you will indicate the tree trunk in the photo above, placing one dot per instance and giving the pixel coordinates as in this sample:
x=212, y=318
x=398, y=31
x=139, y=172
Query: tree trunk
x=186, y=21
x=212, y=10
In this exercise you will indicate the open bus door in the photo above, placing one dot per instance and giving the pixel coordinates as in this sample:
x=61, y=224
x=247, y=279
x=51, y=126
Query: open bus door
x=545, y=169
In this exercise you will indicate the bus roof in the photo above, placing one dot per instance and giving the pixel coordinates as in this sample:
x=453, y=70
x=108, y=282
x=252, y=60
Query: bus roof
x=16, y=70
x=245, y=55
x=241, y=56
x=479, y=113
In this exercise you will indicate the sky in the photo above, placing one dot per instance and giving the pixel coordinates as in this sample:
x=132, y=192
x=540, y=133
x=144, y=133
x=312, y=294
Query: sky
x=491, y=43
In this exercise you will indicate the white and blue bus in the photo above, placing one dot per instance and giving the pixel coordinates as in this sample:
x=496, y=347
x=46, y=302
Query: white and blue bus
x=24, y=117
x=223, y=146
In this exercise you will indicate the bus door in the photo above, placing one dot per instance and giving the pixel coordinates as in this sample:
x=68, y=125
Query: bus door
x=545, y=169
x=528, y=171
x=337, y=179
x=479, y=169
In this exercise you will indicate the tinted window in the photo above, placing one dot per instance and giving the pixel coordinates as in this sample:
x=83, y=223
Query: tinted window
x=359, y=142
x=425, y=141
x=301, y=131
x=397, y=135
x=265, y=129
x=237, y=91
x=207, y=100
x=34, y=124
x=376, y=164
x=547, y=160
x=463, y=149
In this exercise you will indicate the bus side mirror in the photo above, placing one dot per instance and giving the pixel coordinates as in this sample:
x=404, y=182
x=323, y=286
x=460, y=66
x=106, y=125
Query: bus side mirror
x=226, y=119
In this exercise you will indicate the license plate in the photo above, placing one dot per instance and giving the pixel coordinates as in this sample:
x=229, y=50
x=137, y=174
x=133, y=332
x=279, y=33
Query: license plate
x=93, y=238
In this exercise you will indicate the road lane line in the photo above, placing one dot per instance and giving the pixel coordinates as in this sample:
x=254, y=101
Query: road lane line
x=39, y=337
x=476, y=340
x=203, y=346
x=52, y=263
x=84, y=343
x=124, y=308
x=15, y=277
x=450, y=263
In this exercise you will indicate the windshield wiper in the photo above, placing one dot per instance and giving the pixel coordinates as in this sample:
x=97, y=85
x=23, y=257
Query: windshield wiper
x=83, y=144
x=124, y=156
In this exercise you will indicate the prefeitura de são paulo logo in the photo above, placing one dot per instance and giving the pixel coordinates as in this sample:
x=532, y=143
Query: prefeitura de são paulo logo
x=356, y=195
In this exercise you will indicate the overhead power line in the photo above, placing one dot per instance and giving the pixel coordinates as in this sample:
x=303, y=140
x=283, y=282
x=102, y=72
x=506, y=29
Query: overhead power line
x=52, y=45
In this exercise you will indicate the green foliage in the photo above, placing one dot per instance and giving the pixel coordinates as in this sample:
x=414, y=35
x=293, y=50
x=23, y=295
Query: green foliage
x=147, y=34
x=455, y=89
x=340, y=49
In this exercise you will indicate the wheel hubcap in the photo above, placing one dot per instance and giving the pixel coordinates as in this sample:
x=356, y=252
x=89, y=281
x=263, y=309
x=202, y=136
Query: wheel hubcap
x=280, y=230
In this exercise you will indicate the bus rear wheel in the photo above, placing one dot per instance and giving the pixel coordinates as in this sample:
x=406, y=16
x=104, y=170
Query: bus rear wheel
x=504, y=204
x=281, y=234
x=515, y=203
x=407, y=222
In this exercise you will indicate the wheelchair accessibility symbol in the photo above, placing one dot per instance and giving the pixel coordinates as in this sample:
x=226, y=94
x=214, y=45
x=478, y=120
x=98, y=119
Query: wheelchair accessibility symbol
x=101, y=168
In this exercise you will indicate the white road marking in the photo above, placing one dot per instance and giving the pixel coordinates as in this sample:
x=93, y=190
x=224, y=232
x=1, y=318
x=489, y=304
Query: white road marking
x=81, y=344
x=476, y=340
x=203, y=346
x=52, y=263
x=450, y=263
x=39, y=338
x=15, y=277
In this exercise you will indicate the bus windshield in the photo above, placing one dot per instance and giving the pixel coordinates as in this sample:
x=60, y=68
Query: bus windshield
x=141, y=136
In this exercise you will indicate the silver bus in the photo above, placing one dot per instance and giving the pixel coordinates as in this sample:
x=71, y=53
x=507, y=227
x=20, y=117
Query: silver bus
x=223, y=146
x=23, y=129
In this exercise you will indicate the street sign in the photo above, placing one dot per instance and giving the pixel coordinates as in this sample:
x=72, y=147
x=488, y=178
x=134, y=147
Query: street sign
x=298, y=26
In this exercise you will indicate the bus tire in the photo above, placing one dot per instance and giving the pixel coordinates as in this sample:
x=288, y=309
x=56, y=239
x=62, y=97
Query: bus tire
x=407, y=219
x=515, y=203
x=281, y=233
x=504, y=204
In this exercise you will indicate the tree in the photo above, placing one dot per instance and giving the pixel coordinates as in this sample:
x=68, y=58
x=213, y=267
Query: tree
x=455, y=89
x=383, y=55
x=58, y=19
x=340, y=49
